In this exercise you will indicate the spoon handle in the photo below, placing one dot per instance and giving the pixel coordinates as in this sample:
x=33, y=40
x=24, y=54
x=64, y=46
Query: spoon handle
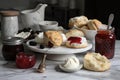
x=42, y=66
x=110, y=20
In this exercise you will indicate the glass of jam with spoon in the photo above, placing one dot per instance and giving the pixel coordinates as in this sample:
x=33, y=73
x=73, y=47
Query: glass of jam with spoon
x=105, y=43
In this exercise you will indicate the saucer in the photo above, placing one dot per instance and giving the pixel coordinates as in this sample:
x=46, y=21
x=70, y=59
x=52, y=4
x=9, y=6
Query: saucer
x=48, y=25
x=70, y=70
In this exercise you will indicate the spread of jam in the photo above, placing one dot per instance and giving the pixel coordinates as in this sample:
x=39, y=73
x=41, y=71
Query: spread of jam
x=74, y=40
x=105, y=43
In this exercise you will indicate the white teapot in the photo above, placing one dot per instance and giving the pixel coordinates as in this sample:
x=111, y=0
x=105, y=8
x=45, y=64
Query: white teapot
x=32, y=17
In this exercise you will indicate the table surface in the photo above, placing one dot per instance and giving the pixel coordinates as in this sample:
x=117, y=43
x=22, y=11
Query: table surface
x=8, y=70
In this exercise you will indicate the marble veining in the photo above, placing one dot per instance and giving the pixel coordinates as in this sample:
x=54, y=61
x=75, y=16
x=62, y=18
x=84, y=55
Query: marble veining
x=8, y=70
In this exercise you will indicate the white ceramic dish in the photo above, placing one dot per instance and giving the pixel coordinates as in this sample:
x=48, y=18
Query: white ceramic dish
x=70, y=70
x=48, y=25
x=58, y=50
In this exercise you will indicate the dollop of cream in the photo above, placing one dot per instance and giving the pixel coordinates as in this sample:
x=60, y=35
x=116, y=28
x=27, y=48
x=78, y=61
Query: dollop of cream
x=71, y=63
x=83, y=40
x=64, y=38
x=39, y=38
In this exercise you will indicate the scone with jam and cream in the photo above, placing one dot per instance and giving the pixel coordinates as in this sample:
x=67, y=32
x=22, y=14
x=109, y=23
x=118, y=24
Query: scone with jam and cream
x=76, y=39
x=76, y=42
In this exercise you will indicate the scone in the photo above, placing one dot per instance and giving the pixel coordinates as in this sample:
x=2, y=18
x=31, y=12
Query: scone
x=78, y=21
x=76, y=42
x=52, y=38
x=94, y=24
x=74, y=32
x=96, y=62
x=84, y=27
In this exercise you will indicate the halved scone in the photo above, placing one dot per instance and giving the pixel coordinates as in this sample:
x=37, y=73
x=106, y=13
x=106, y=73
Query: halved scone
x=76, y=42
x=96, y=62
x=52, y=38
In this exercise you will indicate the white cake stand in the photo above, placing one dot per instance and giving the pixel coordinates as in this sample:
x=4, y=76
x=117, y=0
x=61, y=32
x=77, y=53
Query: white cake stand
x=58, y=53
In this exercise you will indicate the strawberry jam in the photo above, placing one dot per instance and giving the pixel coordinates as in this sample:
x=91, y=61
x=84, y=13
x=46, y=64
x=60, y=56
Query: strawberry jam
x=24, y=60
x=105, y=43
x=74, y=40
x=11, y=47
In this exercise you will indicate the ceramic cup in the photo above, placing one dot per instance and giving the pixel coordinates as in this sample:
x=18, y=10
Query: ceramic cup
x=48, y=25
x=90, y=34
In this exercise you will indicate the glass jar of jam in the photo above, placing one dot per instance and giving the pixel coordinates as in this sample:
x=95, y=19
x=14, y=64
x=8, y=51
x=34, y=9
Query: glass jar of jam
x=11, y=47
x=105, y=43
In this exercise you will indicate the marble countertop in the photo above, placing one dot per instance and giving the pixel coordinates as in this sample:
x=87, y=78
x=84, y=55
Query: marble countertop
x=8, y=70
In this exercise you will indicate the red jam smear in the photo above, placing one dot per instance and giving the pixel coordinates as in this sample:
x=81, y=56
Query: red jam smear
x=75, y=40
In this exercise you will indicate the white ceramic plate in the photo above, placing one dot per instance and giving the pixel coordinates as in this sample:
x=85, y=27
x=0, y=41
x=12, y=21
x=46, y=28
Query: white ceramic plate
x=58, y=50
x=70, y=70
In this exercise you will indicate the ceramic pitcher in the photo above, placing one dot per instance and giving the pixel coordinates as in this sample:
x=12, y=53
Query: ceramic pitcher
x=32, y=17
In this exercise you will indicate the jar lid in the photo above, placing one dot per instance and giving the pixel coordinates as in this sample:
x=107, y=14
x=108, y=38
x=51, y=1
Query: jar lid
x=9, y=12
x=13, y=41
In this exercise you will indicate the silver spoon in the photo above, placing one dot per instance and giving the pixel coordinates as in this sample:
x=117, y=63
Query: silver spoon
x=42, y=66
x=110, y=20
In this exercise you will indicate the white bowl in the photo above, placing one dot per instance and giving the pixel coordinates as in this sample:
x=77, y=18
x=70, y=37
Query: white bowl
x=48, y=25
x=90, y=34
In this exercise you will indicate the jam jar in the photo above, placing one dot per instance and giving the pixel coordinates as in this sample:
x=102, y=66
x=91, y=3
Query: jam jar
x=11, y=47
x=105, y=43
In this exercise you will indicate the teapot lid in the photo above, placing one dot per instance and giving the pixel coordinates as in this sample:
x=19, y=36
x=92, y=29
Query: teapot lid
x=9, y=12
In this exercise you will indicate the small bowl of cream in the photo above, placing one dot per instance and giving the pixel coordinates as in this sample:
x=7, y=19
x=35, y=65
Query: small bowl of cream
x=71, y=64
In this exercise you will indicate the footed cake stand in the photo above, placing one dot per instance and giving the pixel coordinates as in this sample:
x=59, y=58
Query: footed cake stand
x=58, y=53
x=59, y=57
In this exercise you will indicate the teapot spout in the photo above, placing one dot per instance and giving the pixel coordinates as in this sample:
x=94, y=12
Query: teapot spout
x=41, y=7
x=41, y=11
x=32, y=17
